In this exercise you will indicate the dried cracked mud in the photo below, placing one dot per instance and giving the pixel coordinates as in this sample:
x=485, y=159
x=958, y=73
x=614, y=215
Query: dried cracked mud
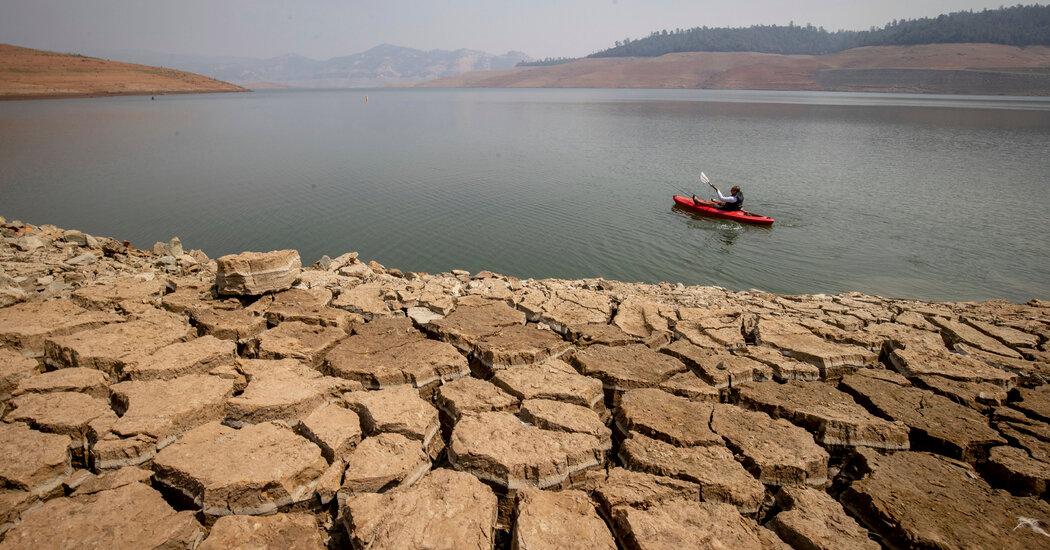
x=158, y=398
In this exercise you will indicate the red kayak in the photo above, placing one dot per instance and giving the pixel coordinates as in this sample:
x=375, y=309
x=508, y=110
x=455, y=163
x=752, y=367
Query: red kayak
x=742, y=216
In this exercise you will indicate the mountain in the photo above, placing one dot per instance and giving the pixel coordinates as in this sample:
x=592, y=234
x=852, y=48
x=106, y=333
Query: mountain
x=383, y=65
x=931, y=68
x=27, y=73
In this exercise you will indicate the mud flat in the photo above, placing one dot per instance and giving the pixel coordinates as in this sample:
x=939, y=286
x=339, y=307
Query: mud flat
x=160, y=398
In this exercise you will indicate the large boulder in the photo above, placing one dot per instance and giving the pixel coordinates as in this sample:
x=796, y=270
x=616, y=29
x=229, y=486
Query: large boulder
x=255, y=273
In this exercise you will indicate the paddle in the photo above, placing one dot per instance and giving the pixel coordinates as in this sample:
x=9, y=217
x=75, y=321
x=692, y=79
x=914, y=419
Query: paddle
x=703, y=178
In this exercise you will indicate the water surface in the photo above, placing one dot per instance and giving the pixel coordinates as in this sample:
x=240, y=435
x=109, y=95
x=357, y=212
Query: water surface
x=930, y=197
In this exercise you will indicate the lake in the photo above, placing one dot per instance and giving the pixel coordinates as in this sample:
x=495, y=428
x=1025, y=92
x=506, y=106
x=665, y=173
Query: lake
x=927, y=197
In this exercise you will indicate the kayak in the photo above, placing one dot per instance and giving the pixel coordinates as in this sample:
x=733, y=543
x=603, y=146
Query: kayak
x=742, y=216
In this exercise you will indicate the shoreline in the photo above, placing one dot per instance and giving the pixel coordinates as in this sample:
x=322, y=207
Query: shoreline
x=370, y=401
x=81, y=95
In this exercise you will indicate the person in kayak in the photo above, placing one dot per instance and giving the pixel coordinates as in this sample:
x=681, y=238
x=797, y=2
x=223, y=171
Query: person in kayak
x=735, y=200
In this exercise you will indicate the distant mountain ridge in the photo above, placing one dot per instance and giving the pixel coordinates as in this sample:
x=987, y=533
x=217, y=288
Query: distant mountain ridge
x=383, y=65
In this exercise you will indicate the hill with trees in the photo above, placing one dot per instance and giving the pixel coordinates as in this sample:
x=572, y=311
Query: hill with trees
x=1014, y=26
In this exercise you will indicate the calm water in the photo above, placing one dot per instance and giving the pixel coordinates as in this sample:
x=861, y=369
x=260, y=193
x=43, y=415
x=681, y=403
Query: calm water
x=931, y=197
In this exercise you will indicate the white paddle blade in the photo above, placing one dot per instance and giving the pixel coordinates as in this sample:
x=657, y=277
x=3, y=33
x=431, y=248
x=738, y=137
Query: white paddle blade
x=703, y=178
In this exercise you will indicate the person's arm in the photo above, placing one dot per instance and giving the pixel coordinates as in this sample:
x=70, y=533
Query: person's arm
x=722, y=198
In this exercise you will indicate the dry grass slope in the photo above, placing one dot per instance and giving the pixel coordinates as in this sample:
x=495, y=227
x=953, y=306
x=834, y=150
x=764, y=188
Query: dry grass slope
x=935, y=68
x=33, y=74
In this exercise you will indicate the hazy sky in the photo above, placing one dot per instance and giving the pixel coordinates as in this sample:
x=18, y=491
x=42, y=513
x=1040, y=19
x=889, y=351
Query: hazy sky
x=322, y=29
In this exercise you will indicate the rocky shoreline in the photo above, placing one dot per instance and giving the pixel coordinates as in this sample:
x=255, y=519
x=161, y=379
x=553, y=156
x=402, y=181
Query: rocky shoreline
x=159, y=398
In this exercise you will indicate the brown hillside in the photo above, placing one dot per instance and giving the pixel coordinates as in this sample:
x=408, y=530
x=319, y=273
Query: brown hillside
x=936, y=68
x=30, y=74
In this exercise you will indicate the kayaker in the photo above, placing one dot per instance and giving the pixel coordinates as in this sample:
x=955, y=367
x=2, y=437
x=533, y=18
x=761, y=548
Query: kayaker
x=735, y=200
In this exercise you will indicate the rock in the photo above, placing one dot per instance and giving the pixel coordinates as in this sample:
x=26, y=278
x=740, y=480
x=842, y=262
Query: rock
x=107, y=348
x=163, y=409
x=89, y=381
x=497, y=447
x=250, y=471
x=916, y=361
x=29, y=243
x=26, y=326
x=10, y=292
x=898, y=492
x=297, y=340
x=422, y=315
x=936, y=423
x=592, y=334
x=518, y=345
x=298, y=531
x=335, y=429
x=1034, y=402
x=626, y=367
x=366, y=300
x=1013, y=469
x=835, y=419
x=641, y=490
x=564, y=307
x=723, y=328
x=84, y=259
x=171, y=248
x=776, y=452
x=474, y=319
x=382, y=462
x=12, y=505
x=644, y=319
x=812, y=519
x=691, y=387
x=1036, y=372
x=239, y=325
x=720, y=476
x=683, y=524
x=14, y=368
x=398, y=410
x=309, y=306
x=786, y=368
x=120, y=292
x=75, y=237
x=282, y=390
x=717, y=368
x=1011, y=337
x=132, y=516
x=981, y=396
x=471, y=396
x=32, y=461
x=198, y=356
x=658, y=414
x=67, y=413
x=559, y=520
x=565, y=417
x=395, y=355
x=255, y=273
x=554, y=380
x=113, y=480
x=447, y=510
x=957, y=332
x=797, y=342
